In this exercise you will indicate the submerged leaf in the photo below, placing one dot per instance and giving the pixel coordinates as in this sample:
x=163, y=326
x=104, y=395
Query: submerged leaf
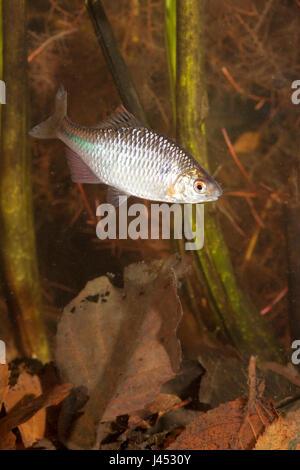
x=229, y=426
x=283, y=434
x=4, y=378
x=27, y=407
x=120, y=344
x=33, y=429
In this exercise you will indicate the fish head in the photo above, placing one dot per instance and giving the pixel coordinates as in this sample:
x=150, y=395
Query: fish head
x=196, y=186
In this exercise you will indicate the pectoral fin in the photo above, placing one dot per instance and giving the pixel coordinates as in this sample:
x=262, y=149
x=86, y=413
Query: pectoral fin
x=80, y=172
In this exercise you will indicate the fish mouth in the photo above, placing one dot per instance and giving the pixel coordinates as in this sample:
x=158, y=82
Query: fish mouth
x=219, y=189
x=211, y=199
x=215, y=192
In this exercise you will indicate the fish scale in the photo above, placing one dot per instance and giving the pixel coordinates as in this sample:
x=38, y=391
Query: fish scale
x=123, y=155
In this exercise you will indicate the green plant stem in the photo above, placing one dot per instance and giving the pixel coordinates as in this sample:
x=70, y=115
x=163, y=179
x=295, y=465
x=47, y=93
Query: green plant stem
x=235, y=315
x=170, y=15
x=18, y=246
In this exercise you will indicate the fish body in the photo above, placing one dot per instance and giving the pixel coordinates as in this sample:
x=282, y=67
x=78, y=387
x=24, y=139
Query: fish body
x=129, y=157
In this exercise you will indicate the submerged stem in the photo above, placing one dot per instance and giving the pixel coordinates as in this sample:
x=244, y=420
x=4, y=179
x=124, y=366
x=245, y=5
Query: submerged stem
x=17, y=226
x=234, y=313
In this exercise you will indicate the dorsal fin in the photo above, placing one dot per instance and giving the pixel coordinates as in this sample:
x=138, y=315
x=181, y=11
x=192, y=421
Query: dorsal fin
x=120, y=118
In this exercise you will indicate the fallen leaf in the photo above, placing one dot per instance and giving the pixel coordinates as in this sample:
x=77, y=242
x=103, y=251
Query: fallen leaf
x=283, y=434
x=120, y=344
x=26, y=408
x=8, y=441
x=163, y=403
x=225, y=377
x=34, y=429
x=43, y=444
x=172, y=421
x=229, y=426
x=4, y=378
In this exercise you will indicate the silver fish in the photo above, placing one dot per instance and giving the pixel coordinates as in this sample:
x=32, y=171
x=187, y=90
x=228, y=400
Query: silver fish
x=129, y=157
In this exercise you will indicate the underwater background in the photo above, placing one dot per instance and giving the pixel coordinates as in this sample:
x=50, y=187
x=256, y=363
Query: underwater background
x=221, y=85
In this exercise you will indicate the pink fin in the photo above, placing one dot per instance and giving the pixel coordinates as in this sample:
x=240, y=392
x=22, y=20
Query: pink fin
x=80, y=172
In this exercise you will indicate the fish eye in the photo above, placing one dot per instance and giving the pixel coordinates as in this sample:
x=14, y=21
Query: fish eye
x=199, y=186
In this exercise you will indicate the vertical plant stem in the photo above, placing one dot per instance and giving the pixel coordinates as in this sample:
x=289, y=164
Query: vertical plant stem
x=170, y=15
x=235, y=315
x=16, y=211
x=1, y=56
x=115, y=61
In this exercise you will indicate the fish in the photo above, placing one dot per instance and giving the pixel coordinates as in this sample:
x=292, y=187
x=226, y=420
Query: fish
x=130, y=158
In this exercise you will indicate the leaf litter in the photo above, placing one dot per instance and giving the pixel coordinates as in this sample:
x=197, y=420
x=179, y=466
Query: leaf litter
x=123, y=384
x=23, y=408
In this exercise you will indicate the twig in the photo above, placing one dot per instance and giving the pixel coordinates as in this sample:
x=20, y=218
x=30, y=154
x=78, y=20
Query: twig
x=269, y=307
x=48, y=42
x=159, y=106
x=256, y=233
x=254, y=213
x=232, y=221
x=79, y=16
x=60, y=9
x=128, y=30
x=235, y=157
x=62, y=287
x=240, y=194
x=261, y=100
x=86, y=203
x=282, y=370
x=263, y=15
x=252, y=384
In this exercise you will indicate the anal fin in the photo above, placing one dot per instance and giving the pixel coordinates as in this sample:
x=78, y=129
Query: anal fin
x=113, y=195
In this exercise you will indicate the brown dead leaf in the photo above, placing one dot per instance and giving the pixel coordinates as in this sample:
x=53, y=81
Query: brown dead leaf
x=34, y=429
x=225, y=377
x=8, y=441
x=283, y=434
x=43, y=444
x=120, y=344
x=4, y=378
x=229, y=426
x=27, y=407
x=163, y=403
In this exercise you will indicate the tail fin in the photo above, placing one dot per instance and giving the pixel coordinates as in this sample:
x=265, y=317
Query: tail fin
x=48, y=129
